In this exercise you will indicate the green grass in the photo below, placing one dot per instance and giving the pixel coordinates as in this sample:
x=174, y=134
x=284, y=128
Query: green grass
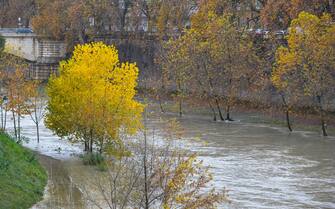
x=22, y=178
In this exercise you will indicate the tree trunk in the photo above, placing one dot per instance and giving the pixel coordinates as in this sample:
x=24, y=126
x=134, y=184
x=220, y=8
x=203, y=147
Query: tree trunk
x=38, y=132
x=288, y=119
x=19, y=126
x=91, y=145
x=323, y=123
x=160, y=104
x=5, y=123
x=228, y=118
x=101, y=144
x=180, y=108
x=91, y=141
x=322, y=117
x=288, y=122
x=14, y=123
x=86, y=146
x=219, y=109
x=2, y=119
x=213, y=110
x=101, y=147
x=146, y=192
x=37, y=126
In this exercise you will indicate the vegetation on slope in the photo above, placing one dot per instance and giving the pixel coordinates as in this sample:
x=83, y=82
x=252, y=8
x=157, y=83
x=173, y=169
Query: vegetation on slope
x=22, y=178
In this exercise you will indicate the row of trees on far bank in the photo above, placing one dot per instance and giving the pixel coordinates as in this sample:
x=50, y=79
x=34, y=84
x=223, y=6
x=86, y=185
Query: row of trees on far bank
x=217, y=62
x=77, y=20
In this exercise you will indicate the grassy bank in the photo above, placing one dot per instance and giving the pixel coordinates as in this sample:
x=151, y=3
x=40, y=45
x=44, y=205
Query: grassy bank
x=22, y=178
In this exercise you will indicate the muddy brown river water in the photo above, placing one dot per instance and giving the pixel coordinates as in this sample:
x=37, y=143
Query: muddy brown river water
x=262, y=166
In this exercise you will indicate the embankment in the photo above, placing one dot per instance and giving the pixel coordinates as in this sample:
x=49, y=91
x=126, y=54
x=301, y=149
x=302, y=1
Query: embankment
x=22, y=178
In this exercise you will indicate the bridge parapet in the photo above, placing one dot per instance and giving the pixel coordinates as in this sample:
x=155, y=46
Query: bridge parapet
x=24, y=43
x=42, y=54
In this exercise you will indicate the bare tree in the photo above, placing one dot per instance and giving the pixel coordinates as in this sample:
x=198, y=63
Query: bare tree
x=36, y=108
x=158, y=174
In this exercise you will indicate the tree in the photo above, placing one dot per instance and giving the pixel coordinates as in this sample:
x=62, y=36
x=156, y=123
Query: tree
x=177, y=70
x=278, y=14
x=213, y=60
x=74, y=21
x=36, y=105
x=204, y=77
x=93, y=98
x=12, y=10
x=233, y=53
x=309, y=60
x=286, y=82
x=232, y=66
x=17, y=90
x=156, y=176
x=3, y=98
x=51, y=19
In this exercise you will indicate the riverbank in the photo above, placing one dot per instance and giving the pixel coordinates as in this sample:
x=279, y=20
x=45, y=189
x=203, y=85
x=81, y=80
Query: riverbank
x=249, y=113
x=22, y=178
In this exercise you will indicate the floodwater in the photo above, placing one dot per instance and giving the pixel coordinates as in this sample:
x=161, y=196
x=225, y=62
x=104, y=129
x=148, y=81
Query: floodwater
x=61, y=192
x=261, y=166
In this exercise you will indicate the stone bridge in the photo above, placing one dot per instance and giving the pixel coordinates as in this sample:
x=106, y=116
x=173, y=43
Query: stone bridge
x=42, y=54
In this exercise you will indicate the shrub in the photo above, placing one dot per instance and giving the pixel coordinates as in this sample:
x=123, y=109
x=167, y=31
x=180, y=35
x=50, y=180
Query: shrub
x=93, y=159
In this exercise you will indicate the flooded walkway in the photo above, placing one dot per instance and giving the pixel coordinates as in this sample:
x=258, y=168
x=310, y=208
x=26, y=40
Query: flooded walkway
x=61, y=192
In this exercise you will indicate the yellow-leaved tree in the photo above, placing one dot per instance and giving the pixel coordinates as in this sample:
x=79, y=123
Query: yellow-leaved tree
x=92, y=99
x=307, y=65
x=213, y=61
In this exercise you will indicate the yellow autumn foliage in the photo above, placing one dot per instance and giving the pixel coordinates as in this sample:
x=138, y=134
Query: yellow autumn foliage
x=308, y=60
x=92, y=100
x=305, y=68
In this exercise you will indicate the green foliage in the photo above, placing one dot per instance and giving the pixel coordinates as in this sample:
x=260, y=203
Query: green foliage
x=22, y=179
x=93, y=159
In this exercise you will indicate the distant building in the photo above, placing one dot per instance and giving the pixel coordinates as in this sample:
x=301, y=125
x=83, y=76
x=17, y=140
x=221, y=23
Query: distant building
x=42, y=54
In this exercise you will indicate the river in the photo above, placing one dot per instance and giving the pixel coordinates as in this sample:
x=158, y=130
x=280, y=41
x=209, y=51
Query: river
x=261, y=166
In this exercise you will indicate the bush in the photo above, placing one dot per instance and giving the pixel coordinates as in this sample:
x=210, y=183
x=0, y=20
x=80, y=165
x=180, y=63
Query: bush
x=93, y=159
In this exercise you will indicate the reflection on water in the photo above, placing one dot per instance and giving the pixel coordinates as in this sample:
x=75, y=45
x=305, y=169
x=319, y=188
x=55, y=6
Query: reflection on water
x=261, y=166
